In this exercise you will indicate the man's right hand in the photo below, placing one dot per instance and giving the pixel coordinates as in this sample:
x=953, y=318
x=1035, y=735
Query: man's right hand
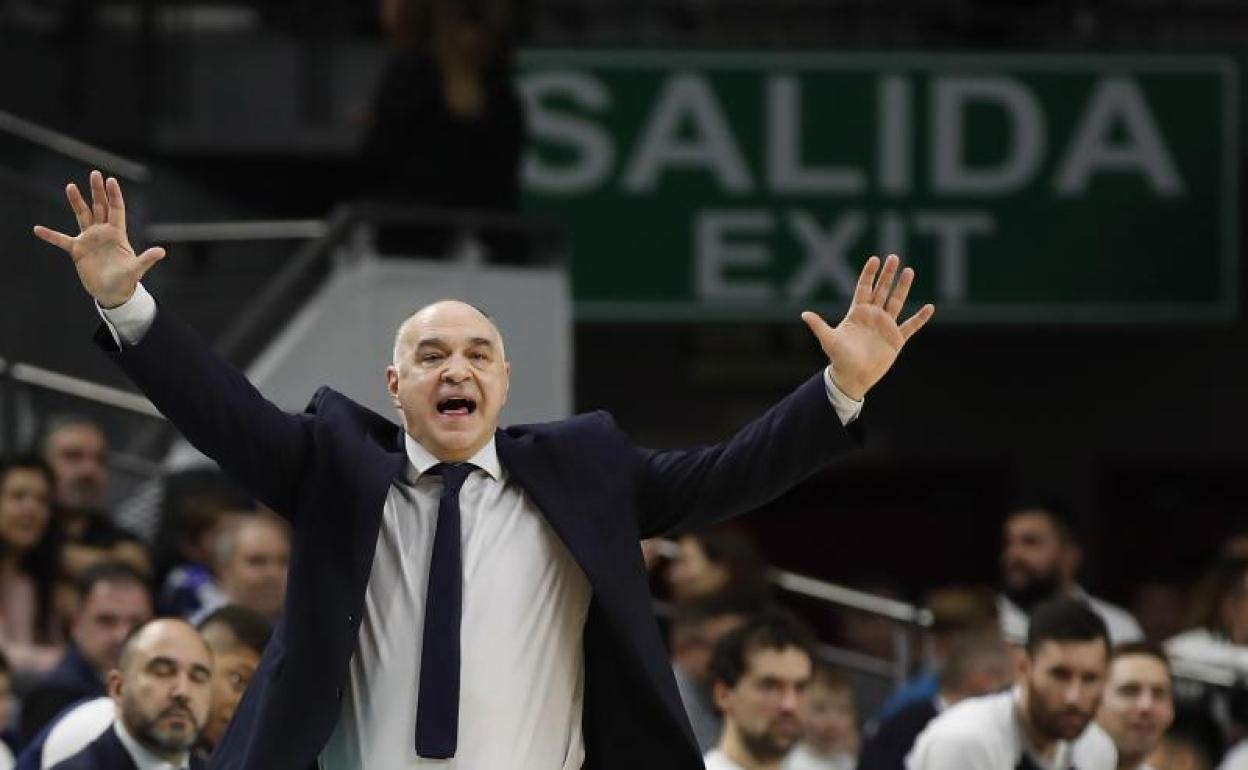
x=106, y=263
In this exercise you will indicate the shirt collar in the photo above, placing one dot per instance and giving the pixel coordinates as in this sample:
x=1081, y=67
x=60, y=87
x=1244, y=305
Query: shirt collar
x=143, y=757
x=420, y=460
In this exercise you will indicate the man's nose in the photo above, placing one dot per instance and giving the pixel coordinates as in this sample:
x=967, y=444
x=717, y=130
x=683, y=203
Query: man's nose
x=456, y=369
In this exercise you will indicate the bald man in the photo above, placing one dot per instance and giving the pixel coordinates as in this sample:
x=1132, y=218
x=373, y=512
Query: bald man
x=161, y=692
x=462, y=596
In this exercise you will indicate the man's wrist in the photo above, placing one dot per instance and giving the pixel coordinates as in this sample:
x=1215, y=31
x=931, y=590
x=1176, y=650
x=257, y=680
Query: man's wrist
x=853, y=390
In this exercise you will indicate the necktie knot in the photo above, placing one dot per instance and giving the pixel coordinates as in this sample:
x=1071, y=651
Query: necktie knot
x=453, y=476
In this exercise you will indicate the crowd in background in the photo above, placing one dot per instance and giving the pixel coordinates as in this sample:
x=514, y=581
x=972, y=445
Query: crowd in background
x=978, y=643
x=75, y=586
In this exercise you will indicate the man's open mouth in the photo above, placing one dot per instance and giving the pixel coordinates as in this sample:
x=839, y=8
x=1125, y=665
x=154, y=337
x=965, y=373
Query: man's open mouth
x=462, y=406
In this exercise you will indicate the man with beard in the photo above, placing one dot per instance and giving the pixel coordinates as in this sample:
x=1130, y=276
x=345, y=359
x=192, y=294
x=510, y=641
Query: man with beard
x=1138, y=706
x=77, y=451
x=1040, y=560
x=161, y=692
x=760, y=672
x=1045, y=721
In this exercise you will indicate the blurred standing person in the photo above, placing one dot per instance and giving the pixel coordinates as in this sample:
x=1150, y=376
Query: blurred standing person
x=447, y=127
x=1219, y=633
x=976, y=665
x=721, y=562
x=251, y=561
x=696, y=630
x=956, y=613
x=1138, y=706
x=77, y=450
x=114, y=600
x=829, y=718
x=1040, y=560
x=29, y=636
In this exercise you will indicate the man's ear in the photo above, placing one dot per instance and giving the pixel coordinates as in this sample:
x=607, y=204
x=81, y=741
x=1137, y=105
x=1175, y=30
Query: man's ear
x=114, y=683
x=392, y=385
x=721, y=693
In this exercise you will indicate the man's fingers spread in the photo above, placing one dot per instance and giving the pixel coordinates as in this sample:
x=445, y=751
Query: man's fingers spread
x=820, y=327
x=885, y=284
x=99, y=199
x=916, y=321
x=82, y=212
x=862, y=292
x=897, y=300
x=59, y=240
x=149, y=258
x=116, y=204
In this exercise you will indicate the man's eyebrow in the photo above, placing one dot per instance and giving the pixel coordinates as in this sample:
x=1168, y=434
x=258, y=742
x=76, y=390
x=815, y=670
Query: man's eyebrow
x=438, y=342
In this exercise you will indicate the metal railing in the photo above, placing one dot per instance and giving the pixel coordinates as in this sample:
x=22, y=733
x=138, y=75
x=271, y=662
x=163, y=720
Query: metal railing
x=75, y=149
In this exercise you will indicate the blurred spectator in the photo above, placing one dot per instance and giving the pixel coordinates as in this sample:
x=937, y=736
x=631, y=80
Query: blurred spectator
x=1043, y=722
x=975, y=665
x=1160, y=605
x=1235, y=544
x=77, y=450
x=7, y=739
x=1219, y=636
x=237, y=637
x=695, y=631
x=829, y=724
x=191, y=585
x=759, y=673
x=447, y=126
x=956, y=612
x=723, y=561
x=161, y=690
x=1180, y=752
x=114, y=600
x=251, y=562
x=1040, y=561
x=29, y=635
x=1138, y=705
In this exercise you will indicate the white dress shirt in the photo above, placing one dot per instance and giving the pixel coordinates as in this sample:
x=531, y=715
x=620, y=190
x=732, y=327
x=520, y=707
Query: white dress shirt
x=986, y=733
x=1121, y=625
x=143, y=758
x=525, y=601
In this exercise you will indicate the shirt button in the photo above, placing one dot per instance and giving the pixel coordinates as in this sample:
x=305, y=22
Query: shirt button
x=350, y=618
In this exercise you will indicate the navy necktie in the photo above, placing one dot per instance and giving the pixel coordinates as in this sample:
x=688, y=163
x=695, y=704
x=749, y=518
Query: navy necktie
x=437, y=709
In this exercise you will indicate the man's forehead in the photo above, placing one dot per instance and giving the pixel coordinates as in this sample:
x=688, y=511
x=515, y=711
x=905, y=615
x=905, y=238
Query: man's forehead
x=174, y=641
x=1141, y=667
x=448, y=320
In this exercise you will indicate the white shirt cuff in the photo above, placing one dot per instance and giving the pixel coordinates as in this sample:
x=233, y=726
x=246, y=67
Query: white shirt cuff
x=129, y=321
x=846, y=408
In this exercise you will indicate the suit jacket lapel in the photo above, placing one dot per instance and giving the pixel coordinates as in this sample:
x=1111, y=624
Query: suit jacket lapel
x=549, y=492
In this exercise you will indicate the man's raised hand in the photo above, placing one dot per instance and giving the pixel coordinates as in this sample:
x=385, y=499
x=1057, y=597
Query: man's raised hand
x=864, y=345
x=106, y=263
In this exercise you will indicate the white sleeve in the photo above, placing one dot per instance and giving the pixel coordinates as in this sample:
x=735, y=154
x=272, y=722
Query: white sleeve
x=847, y=409
x=129, y=321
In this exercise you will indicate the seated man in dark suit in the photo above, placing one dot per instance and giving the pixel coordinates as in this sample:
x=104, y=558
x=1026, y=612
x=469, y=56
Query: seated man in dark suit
x=456, y=590
x=161, y=690
x=113, y=601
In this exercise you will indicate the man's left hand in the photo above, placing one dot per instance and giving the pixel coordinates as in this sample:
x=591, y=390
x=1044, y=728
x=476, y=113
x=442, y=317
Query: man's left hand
x=864, y=345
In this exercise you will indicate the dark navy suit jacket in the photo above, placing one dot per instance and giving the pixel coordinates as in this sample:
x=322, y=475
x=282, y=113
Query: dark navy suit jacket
x=106, y=753
x=72, y=680
x=329, y=470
